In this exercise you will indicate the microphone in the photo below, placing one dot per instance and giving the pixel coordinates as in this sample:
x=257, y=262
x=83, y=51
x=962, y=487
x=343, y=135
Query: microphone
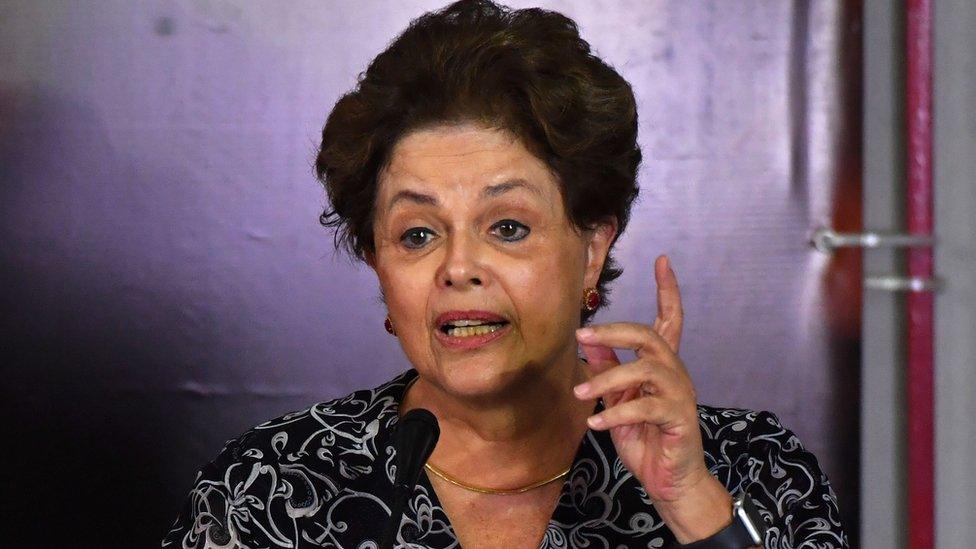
x=414, y=441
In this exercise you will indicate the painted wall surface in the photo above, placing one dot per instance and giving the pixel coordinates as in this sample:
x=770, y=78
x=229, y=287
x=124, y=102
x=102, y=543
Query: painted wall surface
x=883, y=476
x=165, y=283
x=955, y=345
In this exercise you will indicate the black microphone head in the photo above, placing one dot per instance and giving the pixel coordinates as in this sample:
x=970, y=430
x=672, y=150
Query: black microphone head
x=414, y=440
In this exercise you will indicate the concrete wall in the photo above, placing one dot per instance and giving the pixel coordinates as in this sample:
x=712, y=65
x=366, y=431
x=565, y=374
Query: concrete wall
x=883, y=510
x=955, y=260
x=883, y=496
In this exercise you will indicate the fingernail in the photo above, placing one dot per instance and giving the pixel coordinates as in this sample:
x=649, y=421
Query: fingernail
x=670, y=266
x=584, y=333
x=595, y=422
x=582, y=389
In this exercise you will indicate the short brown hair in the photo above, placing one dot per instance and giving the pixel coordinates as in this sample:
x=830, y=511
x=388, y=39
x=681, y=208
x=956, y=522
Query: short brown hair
x=526, y=71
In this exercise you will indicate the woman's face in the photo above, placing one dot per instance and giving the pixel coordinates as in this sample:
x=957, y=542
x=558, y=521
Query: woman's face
x=469, y=229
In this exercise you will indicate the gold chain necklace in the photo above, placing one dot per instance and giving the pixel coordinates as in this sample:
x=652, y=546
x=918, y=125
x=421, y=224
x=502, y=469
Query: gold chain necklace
x=480, y=489
x=496, y=491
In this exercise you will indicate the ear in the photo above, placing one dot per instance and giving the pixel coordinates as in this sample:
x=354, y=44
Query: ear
x=369, y=257
x=600, y=238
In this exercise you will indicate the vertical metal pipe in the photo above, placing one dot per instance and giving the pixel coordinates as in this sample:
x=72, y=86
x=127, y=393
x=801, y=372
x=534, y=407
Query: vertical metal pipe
x=918, y=117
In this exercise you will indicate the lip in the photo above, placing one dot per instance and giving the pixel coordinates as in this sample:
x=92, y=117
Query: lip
x=470, y=342
x=487, y=316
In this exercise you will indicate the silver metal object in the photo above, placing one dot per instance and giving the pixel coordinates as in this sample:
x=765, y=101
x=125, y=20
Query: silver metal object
x=745, y=511
x=826, y=240
x=891, y=283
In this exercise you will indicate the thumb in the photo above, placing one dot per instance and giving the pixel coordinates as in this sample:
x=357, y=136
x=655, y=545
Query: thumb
x=599, y=358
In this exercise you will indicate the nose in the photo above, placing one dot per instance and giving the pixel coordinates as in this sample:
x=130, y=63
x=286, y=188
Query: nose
x=461, y=268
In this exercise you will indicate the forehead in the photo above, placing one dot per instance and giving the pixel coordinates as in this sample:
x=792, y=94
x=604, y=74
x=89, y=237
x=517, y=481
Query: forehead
x=463, y=159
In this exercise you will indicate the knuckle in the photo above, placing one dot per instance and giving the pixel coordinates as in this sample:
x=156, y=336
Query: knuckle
x=646, y=369
x=597, y=385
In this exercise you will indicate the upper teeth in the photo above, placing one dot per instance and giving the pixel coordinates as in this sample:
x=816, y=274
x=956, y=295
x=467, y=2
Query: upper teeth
x=462, y=323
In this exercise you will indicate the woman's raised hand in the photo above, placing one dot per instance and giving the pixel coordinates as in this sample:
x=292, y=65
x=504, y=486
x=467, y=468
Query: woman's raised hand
x=651, y=408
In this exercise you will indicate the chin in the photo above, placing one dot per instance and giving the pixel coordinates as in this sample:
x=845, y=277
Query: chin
x=478, y=376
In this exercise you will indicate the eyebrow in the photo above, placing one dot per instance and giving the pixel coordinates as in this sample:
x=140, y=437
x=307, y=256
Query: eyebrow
x=490, y=191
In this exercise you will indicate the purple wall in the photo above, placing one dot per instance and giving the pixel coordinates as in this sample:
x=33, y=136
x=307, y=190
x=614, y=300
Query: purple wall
x=165, y=283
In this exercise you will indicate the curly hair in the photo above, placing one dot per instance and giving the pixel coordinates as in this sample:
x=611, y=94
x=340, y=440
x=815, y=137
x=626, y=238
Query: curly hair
x=525, y=71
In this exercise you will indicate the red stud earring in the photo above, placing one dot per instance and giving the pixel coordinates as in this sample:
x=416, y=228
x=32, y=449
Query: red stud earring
x=388, y=324
x=591, y=299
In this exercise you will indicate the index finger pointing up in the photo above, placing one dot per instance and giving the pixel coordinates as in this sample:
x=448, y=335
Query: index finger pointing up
x=670, y=315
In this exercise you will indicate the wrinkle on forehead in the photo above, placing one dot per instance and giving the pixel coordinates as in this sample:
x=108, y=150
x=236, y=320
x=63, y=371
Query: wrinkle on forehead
x=433, y=154
x=504, y=158
x=478, y=133
x=475, y=139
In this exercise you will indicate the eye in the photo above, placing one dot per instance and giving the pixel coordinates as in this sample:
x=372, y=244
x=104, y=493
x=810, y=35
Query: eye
x=510, y=230
x=416, y=237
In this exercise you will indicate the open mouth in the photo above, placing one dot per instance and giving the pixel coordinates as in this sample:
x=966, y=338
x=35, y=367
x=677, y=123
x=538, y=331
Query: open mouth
x=471, y=328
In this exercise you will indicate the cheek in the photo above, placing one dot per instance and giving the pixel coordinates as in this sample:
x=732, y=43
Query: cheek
x=406, y=294
x=545, y=289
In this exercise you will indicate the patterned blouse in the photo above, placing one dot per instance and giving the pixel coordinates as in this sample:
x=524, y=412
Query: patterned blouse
x=322, y=477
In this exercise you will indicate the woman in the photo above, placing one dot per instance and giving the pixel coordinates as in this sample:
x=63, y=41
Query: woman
x=483, y=168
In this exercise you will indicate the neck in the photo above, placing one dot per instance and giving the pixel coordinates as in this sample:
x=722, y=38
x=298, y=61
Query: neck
x=504, y=442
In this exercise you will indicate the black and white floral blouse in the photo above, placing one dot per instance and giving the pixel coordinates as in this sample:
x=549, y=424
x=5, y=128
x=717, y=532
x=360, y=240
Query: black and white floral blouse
x=321, y=478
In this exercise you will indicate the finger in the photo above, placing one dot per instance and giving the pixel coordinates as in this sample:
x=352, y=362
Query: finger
x=626, y=376
x=648, y=409
x=600, y=359
x=670, y=315
x=625, y=335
